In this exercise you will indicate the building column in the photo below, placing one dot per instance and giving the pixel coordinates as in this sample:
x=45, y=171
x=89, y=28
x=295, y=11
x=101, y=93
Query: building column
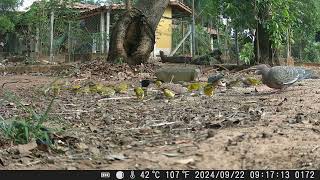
x=107, y=31
x=94, y=45
x=211, y=42
x=37, y=49
x=102, y=32
x=51, y=36
x=191, y=42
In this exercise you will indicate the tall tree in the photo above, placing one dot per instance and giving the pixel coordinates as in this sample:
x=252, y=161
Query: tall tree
x=7, y=16
x=133, y=37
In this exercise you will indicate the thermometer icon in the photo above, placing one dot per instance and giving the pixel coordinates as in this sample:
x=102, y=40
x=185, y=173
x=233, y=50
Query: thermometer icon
x=132, y=176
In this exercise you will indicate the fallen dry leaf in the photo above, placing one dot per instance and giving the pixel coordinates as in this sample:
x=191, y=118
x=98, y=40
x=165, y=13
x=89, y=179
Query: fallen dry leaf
x=119, y=157
x=81, y=146
x=185, y=161
x=25, y=149
x=93, y=128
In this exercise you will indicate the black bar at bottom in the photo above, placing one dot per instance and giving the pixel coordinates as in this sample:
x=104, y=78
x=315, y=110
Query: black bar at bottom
x=157, y=174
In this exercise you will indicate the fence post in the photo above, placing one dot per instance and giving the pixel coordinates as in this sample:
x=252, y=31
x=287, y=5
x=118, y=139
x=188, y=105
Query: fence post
x=191, y=42
x=51, y=35
x=193, y=31
x=108, y=32
x=69, y=42
x=37, y=49
x=102, y=31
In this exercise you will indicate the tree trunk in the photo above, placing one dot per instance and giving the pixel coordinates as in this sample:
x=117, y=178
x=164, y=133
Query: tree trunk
x=133, y=37
x=265, y=53
x=237, y=46
x=128, y=4
x=263, y=45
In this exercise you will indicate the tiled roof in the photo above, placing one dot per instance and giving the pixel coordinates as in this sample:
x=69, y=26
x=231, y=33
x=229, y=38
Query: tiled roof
x=174, y=3
x=84, y=7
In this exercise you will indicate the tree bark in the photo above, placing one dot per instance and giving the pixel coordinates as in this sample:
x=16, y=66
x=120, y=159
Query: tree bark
x=265, y=53
x=263, y=45
x=128, y=4
x=133, y=36
x=237, y=46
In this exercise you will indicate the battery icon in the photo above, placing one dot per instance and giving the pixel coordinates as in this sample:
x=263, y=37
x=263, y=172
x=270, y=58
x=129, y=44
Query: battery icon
x=105, y=175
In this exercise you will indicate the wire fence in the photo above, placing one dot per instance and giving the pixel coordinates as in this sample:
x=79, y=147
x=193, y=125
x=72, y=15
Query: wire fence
x=84, y=38
x=66, y=41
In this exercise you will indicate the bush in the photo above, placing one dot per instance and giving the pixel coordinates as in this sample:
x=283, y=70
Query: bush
x=22, y=129
x=247, y=53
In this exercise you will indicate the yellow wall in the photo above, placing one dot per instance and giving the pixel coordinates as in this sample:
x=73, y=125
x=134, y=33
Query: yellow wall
x=164, y=30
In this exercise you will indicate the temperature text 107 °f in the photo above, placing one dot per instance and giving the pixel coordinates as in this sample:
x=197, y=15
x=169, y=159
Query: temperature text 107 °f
x=177, y=174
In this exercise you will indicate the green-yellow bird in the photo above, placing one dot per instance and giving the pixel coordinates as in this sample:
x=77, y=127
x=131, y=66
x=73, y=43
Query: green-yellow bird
x=96, y=88
x=158, y=83
x=86, y=90
x=76, y=89
x=107, y=91
x=194, y=86
x=56, y=89
x=121, y=88
x=168, y=93
x=139, y=92
x=251, y=81
x=209, y=89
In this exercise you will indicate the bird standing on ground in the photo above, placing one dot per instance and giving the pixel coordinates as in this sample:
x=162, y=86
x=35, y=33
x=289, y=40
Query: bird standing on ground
x=168, y=93
x=139, y=92
x=194, y=86
x=215, y=78
x=145, y=83
x=280, y=77
x=250, y=81
x=158, y=83
x=209, y=89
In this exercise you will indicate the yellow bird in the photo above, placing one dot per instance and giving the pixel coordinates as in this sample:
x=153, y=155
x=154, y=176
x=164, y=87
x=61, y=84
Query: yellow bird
x=194, y=87
x=121, y=88
x=107, y=91
x=85, y=90
x=251, y=81
x=209, y=89
x=56, y=89
x=168, y=93
x=158, y=83
x=96, y=88
x=76, y=89
x=139, y=92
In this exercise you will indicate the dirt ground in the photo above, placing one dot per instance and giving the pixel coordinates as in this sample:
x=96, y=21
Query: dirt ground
x=237, y=128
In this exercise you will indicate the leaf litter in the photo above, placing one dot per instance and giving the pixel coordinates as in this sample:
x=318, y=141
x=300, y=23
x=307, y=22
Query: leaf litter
x=121, y=131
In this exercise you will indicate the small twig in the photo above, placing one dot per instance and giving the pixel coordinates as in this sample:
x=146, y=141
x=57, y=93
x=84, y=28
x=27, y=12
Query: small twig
x=33, y=163
x=315, y=148
x=162, y=124
x=80, y=79
x=8, y=83
x=171, y=79
x=221, y=67
x=116, y=98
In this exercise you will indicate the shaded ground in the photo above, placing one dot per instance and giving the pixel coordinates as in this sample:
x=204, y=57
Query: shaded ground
x=235, y=129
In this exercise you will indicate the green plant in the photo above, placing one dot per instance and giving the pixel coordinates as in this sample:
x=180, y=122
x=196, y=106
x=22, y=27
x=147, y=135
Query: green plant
x=30, y=61
x=119, y=60
x=311, y=52
x=247, y=53
x=22, y=129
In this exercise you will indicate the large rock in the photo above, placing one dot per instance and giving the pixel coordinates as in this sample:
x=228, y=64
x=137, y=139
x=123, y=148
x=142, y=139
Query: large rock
x=177, y=74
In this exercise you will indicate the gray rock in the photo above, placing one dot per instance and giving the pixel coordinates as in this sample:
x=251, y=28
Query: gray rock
x=177, y=74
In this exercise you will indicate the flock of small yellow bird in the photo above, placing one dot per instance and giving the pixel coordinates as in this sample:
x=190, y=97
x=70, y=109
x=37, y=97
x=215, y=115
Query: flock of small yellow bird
x=208, y=89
